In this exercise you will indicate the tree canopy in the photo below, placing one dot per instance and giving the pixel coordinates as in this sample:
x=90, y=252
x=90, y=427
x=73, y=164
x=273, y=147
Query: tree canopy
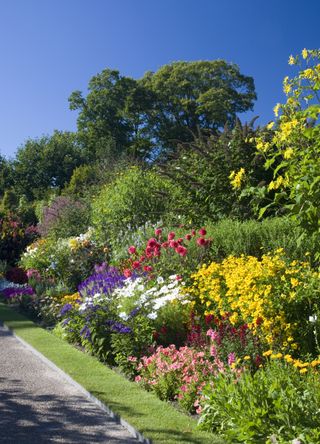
x=151, y=115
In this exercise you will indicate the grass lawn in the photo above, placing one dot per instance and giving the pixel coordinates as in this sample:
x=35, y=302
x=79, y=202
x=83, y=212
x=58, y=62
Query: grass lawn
x=155, y=419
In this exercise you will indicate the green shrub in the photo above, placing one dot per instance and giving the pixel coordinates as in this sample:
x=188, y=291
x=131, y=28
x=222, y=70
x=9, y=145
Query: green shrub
x=233, y=237
x=134, y=198
x=275, y=405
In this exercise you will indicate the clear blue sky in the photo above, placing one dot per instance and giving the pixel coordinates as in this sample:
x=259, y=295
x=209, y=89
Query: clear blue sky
x=50, y=48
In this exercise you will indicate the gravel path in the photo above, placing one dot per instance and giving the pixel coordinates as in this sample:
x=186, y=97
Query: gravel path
x=38, y=406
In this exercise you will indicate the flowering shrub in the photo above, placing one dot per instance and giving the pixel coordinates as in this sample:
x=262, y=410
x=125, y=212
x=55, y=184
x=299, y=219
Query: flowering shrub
x=68, y=260
x=14, y=237
x=169, y=253
x=273, y=297
x=180, y=374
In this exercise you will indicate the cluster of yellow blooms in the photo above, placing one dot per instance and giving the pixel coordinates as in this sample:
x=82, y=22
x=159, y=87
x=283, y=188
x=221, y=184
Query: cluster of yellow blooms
x=71, y=299
x=261, y=293
x=297, y=363
x=236, y=179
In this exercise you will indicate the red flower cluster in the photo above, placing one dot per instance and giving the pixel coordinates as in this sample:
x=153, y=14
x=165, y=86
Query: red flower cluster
x=156, y=245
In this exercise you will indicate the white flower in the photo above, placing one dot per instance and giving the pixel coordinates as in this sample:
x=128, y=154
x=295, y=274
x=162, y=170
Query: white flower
x=313, y=318
x=123, y=316
x=160, y=280
x=152, y=315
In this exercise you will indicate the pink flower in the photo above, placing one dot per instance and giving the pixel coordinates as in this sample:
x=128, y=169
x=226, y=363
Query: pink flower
x=158, y=231
x=165, y=245
x=132, y=359
x=193, y=232
x=127, y=273
x=181, y=250
x=202, y=232
x=152, y=243
x=178, y=277
x=201, y=242
x=188, y=237
x=132, y=250
x=173, y=244
x=231, y=358
x=137, y=378
x=135, y=265
x=171, y=235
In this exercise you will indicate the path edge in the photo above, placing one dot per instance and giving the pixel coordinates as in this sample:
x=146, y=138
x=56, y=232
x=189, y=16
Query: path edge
x=117, y=418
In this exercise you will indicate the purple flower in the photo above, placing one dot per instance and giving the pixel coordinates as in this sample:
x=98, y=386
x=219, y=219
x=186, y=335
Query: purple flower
x=12, y=292
x=85, y=332
x=65, y=309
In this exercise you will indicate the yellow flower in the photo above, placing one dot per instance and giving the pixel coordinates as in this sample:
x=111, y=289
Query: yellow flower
x=237, y=178
x=291, y=60
x=270, y=125
x=247, y=358
x=267, y=353
x=307, y=74
x=304, y=53
x=303, y=370
x=276, y=109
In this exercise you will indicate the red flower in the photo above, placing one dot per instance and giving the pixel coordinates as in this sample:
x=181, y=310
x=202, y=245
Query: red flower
x=147, y=268
x=188, y=237
x=180, y=240
x=135, y=265
x=173, y=244
x=202, y=232
x=181, y=250
x=132, y=250
x=127, y=273
x=165, y=245
x=171, y=235
x=201, y=241
x=142, y=258
x=158, y=231
x=193, y=232
x=178, y=277
x=152, y=243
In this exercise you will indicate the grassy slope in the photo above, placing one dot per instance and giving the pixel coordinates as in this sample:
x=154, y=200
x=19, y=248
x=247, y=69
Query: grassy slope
x=155, y=419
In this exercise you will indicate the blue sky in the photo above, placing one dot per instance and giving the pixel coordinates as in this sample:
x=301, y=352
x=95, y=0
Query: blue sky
x=50, y=48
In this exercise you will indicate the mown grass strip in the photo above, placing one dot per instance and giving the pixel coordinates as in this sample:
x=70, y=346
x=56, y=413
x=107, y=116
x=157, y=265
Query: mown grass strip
x=155, y=419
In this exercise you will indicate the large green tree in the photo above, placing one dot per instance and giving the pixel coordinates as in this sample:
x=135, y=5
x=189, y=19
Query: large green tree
x=149, y=116
x=195, y=95
x=6, y=176
x=111, y=117
x=46, y=163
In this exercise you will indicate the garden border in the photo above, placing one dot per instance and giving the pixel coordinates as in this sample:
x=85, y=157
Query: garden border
x=161, y=421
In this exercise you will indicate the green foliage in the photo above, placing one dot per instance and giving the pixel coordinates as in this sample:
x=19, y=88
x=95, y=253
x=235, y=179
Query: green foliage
x=143, y=117
x=192, y=95
x=64, y=217
x=202, y=169
x=135, y=197
x=276, y=404
x=6, y=175
x=9, y=201
x=110, y=118
x=68, y=261
x=46, y=163
x=294, y=151
x=83, y=177
x=254, y=238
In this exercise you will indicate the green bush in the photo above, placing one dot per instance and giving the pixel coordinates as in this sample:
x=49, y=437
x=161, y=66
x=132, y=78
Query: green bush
x=253, y=238
x=135, y=197
x=275, y=405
